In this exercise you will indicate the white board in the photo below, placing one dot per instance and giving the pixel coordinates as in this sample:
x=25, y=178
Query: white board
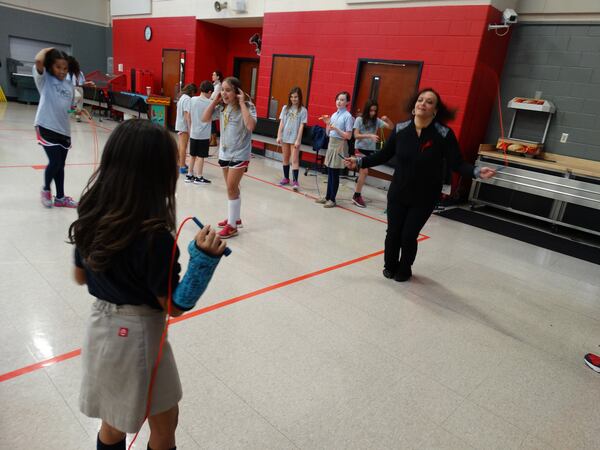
x=130, y=7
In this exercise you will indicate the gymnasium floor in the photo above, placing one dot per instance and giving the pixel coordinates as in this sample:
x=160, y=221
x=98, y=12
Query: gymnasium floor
x=308, y=346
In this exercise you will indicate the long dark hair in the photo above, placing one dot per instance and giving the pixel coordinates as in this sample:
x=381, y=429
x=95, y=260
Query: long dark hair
x=444, y=114
x=74, y=68
x=298, y=91
x=366, y=113
x=51, y=57
x=131, y=192
x=236, y=84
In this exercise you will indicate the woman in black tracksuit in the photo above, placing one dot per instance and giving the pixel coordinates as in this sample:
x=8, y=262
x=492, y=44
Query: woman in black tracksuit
x=426, y=151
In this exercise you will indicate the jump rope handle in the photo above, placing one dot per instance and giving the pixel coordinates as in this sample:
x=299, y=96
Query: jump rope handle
x=227, y=251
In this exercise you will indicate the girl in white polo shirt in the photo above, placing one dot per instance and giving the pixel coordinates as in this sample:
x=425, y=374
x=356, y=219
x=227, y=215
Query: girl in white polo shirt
x=339, y=130
x=238, y=119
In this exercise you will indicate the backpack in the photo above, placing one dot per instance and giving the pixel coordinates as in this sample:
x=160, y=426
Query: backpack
x=320, y=139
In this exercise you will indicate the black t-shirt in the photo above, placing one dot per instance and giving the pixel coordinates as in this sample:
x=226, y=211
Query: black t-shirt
x=421, y=163
x=138, y=274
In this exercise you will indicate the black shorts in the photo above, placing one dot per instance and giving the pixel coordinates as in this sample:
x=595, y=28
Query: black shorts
x=365, y=152
x=199, y=147
x=234, y=164
x=49, y=138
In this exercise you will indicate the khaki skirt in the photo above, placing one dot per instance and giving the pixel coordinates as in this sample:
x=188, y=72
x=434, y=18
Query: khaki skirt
x=336, y=147
x=118, y=354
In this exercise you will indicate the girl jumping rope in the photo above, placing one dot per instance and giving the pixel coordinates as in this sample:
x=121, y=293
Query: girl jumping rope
x=339, y=130
x=292, y=119
x=52, y=121
x=365, y=133
x=182, y=123
x=238, y=119
x=124, y=244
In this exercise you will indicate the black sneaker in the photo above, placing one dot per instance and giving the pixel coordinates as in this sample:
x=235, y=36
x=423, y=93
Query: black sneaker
x=189, y=178
x=201, y=180
x=403, y=274
x=388, y=273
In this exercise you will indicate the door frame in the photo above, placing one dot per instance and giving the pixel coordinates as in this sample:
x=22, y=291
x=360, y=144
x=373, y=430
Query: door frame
x=310, y=73
x=162, y=67
x=362, y=61
x=237, y=60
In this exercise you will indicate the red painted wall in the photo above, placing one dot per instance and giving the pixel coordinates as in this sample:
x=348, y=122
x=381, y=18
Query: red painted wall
x=449, y=40
x=211, y=42
x=133, y=51
x=209, y=47
x=238, y=46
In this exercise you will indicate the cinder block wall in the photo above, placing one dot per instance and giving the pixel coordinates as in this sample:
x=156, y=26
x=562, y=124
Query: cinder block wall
x=563, y=62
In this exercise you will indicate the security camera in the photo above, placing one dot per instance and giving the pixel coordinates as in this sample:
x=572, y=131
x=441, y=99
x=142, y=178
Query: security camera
x=510, y=16
x=220, y=6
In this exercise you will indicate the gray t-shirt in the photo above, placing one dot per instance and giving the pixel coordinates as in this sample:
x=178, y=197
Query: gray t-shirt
x=236, y=139
x=292, y=118
x=200, y=130
x=367, y=144
x=183, y=105
x=56, y=98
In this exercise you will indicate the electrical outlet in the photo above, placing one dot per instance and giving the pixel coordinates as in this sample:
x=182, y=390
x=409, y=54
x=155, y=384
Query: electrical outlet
x=564, y=137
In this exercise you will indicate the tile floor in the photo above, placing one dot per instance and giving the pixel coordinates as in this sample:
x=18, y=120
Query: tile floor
x=482, y=349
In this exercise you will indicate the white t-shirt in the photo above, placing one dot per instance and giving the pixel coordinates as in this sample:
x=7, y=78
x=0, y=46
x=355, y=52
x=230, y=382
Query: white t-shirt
x=78, y=80
x=200, y=130
x=216, y=89
x=183, y=105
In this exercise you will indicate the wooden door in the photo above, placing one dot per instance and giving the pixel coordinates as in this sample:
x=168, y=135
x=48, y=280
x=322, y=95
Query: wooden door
x=391, y=84
x=288, y=71
x=246, y=70
x=173, y=66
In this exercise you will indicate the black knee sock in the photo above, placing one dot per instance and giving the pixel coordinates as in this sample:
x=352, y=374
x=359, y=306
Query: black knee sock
x=295, y=174
x=286, y=171
x=102, y=446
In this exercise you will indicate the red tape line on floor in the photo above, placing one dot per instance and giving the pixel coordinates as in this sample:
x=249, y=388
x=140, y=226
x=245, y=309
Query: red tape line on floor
x=74, y=353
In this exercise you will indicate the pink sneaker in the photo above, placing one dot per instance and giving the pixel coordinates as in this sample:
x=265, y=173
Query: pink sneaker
x=46, y=198
x=284, y=181
x=359, y=201
x=65, y=202
x=227, y=232
x=223, y=224
x=295, y=186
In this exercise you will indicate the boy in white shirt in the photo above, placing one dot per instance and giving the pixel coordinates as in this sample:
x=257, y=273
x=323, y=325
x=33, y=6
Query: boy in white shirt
x=199, y=134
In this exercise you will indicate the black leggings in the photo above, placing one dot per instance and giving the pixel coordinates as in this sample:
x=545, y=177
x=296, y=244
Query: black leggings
x=404, y=225
x=57, y=155
x=333, y=183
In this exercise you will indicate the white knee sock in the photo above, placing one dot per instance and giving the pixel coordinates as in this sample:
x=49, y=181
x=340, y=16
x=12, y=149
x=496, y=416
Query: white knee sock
x=235, y=207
